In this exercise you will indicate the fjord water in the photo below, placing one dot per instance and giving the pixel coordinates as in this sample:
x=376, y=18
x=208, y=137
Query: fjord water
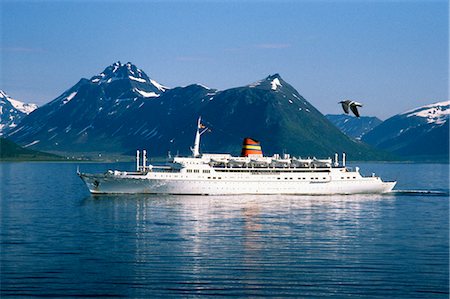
x=57, y=240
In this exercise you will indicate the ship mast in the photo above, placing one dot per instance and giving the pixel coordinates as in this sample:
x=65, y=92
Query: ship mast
x=196, y=149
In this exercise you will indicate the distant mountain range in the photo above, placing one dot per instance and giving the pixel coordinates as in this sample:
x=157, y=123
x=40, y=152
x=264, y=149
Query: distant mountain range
x=12, y=111
x=122, y=109
x=421, y=133
x=354, y=127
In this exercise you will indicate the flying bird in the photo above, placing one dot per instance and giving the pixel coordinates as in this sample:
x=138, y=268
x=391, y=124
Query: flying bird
x=352, y=105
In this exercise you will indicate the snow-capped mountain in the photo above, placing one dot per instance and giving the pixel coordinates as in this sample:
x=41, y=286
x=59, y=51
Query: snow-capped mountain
x=435, y=114
x=93, y=112
x=354, y=127
x=419, y=132
x=122, y=109
x=26, y=108
x=139, y=83
x=12, y=112
x=117, y=82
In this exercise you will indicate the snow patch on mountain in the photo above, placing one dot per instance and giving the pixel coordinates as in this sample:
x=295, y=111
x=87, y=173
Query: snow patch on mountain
x=12, y=112
x=254, y=84
x=32, y=143
x=137, y=79
x=275, y=83
x=272, y=81
x=158, y=86
x=69, y=97
x=21, y=106
x=146, y=94
x=436, y=113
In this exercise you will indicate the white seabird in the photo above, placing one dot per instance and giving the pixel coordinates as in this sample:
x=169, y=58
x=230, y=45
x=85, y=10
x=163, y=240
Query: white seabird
x=352, y=105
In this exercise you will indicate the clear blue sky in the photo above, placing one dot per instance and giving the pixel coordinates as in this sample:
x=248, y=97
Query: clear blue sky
x=389, y=55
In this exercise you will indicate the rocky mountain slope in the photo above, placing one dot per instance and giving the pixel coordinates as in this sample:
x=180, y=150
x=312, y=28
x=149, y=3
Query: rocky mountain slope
x=122, y=109
x=354, y=127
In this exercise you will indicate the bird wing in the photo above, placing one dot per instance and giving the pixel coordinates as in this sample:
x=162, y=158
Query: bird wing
x=354, y=109
x=345, y=106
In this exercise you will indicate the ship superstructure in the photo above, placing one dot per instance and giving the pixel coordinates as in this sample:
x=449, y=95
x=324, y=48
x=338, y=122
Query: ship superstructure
x=250, y=173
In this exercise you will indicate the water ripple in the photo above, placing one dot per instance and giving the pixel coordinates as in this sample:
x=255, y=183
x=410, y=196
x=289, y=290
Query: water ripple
x=66, y=243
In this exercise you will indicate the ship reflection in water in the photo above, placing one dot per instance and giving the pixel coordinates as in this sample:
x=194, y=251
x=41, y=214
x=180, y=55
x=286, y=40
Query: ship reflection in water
x=269, y=245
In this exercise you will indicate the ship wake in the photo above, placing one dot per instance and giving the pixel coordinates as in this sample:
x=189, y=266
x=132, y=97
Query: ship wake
x=436, y=192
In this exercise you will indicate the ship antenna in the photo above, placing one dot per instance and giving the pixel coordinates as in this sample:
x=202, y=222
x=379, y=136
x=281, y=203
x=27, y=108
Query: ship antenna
x=196, y=149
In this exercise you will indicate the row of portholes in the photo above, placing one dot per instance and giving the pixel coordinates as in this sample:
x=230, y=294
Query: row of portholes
x=324, y=178
x=271, y=178
x=198, y=170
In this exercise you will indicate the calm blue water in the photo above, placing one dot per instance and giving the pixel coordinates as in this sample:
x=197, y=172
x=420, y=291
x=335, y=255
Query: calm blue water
x=57, y=240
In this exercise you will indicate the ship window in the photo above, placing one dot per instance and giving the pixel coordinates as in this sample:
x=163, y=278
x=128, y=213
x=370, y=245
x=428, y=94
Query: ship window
x=196, y=170
x=189, y=170
x=278, y=178
x=354, y=177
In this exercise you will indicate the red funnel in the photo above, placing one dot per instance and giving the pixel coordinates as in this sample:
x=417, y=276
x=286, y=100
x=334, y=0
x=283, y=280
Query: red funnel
x=251, y=147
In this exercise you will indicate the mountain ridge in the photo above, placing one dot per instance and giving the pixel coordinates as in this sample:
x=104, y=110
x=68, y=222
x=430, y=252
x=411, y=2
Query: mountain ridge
x=419, y=133
x=12, y=111
x=107, y=114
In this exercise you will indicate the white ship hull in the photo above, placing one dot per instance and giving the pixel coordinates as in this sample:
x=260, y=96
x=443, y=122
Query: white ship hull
x=156, y=183
x=250, y=173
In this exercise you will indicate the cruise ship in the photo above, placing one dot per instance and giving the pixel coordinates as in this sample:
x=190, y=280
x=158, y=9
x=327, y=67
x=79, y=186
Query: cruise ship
x=250, y=173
